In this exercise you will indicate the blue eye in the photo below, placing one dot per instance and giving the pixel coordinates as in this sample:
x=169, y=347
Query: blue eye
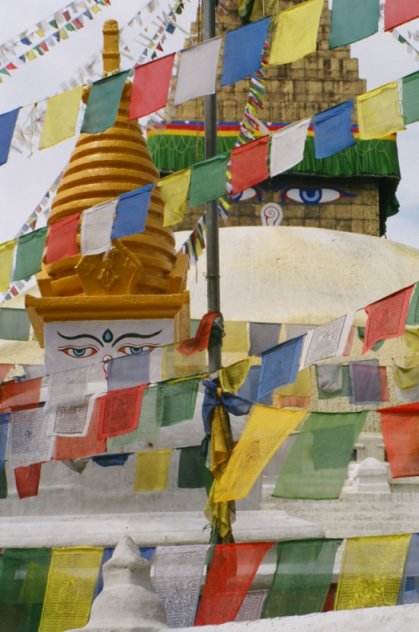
x=313, y=195
x=135, y=350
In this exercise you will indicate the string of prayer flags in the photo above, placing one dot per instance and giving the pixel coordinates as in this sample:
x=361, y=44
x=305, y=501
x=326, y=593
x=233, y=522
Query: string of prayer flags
x=193, y=472
x=397, y=12
x=7, y=252
x=7, y=128
x=62, y=238
x=150, y=87
x=60, y=117
x=326, y=341
x=178, y=572
x=233, y=376
x=264, y=432
x=287, y=147
x=132, y=212
x=410, y=98
x=152, y=470
x=14, y=324
x=70, y=587
x=295, y=34
x=263, y=336
x=103, y=103
x=371, y=571
x=333, y=130
x=379, y=112
x=387, y=317
x=174, y=191
x=176, y=401
x=27, y=480
x=249, y=164
x=365, y=381
x=280, y=365
x=70, y=448
x=230, y=575
x=399, y=426
x=96, y=228
x=249, y=40
x=30, y=439
x=29, y=250
x=302, y=577
x=413, y=313
x=409, y=589
x=119, y=411
x=208, y=180
x=197, y=71
x=354, y=21
x=317, y=463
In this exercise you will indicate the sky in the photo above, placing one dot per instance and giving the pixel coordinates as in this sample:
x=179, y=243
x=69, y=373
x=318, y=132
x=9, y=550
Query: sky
x=25, y=179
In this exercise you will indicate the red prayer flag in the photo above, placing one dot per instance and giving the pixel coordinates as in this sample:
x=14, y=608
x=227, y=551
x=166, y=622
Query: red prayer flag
x=27, y=480
x=229, y=578
x=67, y=448
x=19, y=395
x=397, y=12
x=400, y=428
x=62, y=238
x=150, y=87
x=249, y=164
x=201, y=339
x=4, y=369
x=119, y=411
x=387, y=317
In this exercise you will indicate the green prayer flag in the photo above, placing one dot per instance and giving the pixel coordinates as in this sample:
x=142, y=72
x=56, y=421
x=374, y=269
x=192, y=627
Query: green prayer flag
x=413, y=315
x=208, y=180
x=193, y=472
x=103, y=103
x=317, y=463
x=353, y=21
x=302, y=577
x=3, y=483
x=29, y=254
x=14, y=324
x=148, y=428
x=176, y=401
x=410, y=98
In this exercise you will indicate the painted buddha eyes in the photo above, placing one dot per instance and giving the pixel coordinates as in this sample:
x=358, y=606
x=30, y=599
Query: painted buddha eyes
x=136, y=349
x=313, y=195
x=79, y=352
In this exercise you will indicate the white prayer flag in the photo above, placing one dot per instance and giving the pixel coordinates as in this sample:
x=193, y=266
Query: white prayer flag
x=197, y=72
x=326, y=341
x=30, y=441
x=96, y=228
x=287, y=147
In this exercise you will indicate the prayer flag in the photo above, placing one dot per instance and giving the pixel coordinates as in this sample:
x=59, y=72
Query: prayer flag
x=20, y=394
x=326, y=341
x=152, y=470
x=208, y=180
x=129, y=370
x=150, y=87
x=410, y=98
x=7, y=128
x=353, y=21
x=4, y=431
x=333, y=130
x=397, y=12
x=249, y=389
x=103, y=103
x=27, y=480
x=387, y=317
x=302, y=579
x=380, y=112
x=197, y=71
x=69, y=448
x=174, y=191
x=148, y=428
x=413, y=314
x=407, y=376
x=409, y=589
x=29, y=252
x=131, y=212
x=371, y=571
x=287, y=147
x=280, y=365
x=30, y=439
x=233, y=376
x=235, y=338
x=62, y=238
x=96, y=228
x=300, y=388
x=193, y=472
x=263, y=336
x=265, y=431
x=70, y=587
x=176, y=401
x=60, y=117
x=230, y=575
x=14, y=324
x=243, y=50
x=319, y=457
x=295, y=34
x=7, y=251
x=249, y=164
x=119, y=411
x=400, y=428
x=365, y=382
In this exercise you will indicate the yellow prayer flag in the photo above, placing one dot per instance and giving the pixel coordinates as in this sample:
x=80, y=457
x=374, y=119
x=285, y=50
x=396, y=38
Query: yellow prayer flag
x=71, y=582
x=174, y=191
x=301, y=387
x=63, y=33
x=295, y=34
x=265, y=431
x=30, y=55
x=408, y=375
x=7, y=251
x=152, y=470
x=371, y=572
x=380, y=112
x=235, y=337
x=411, y=338
x=61, y=117
x=233, y=376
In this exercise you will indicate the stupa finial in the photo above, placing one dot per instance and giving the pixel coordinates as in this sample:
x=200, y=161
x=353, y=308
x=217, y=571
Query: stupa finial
x=110, y=55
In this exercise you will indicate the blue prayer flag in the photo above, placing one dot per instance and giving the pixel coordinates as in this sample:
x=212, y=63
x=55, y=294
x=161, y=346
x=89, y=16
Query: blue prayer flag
x=7, y=127
x=131, y=212
x=333, y=130
x=129, y=370
x=4, y=427
x=249, y=389
x=280, y=366
x=243, y=51
x=409, y=587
